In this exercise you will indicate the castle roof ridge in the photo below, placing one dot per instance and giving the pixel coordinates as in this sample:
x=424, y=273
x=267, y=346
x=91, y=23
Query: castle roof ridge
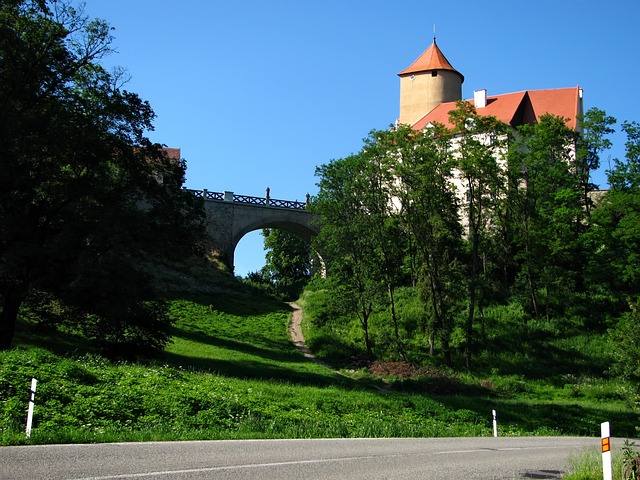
x=515, y=108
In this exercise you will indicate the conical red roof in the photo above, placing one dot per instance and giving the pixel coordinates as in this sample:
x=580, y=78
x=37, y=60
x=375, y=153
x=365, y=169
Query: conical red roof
x=431, y=59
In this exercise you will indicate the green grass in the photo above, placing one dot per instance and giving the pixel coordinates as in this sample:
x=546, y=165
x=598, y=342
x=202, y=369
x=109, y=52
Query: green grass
x=232, y=373
x=587, y=465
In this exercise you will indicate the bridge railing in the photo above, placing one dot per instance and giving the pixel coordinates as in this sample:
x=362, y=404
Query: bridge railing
x=206, y=194
x=231, y=197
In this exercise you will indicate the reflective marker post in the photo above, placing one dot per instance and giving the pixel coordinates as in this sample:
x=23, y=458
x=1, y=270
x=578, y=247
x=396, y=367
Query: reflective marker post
x=606, y=451
x=32, y=399
x=495, y=423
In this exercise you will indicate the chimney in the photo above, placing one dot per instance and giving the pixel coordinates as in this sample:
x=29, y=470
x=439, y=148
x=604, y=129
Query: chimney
x=480, y=98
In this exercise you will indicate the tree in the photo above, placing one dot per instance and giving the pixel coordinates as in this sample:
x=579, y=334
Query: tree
x=625, y=176
x=479, y=142
x=615, y=233
x=288, y=261
x=429, y=213
x=596, y=125
x=346, y=237
x=547, y=213
x=615, y=241
x=382, y=215
x=81, y=187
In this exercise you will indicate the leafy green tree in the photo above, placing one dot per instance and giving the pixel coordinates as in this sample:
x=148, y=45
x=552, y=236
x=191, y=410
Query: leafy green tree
x=429, y=212
x=615, y=241
x=362, y=230
x=288, y=262
x=385, y=232
x=547, y=213
x=626, y=346
x=479, y=143
x=345, y=249
x=615, y=234
x=81, y=187
x=596, y=126
x=625, y=176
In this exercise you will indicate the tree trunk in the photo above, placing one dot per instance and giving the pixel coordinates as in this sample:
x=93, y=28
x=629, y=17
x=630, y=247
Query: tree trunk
x=395, y=323
x=530, y=280
x=532, y=293
x=469, y=323
x=472, y=295
x=367, y=340
x=12, y=301
x=364, y=321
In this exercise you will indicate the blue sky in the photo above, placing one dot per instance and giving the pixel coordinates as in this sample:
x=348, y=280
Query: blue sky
x=258, y=93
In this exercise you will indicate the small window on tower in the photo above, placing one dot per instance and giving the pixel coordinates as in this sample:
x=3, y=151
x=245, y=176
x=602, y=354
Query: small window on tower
x=434, y=73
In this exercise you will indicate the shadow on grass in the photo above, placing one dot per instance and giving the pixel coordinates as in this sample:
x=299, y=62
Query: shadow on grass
x=38, y=336
x=537, y=359
x=270, y=350
x=273, y=360
x=243, y=302
x=254, y=369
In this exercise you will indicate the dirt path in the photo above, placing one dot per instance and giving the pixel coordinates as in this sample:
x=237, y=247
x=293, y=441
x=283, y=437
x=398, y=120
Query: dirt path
x=295, y=332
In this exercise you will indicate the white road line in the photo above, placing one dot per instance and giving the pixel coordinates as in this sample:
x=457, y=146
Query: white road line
x=308, y=462
x=234, y=467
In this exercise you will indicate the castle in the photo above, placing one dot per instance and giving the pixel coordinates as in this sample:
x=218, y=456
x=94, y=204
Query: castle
x=430, y=86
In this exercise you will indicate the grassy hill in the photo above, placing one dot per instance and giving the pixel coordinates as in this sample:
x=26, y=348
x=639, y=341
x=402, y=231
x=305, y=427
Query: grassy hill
x=233, y=373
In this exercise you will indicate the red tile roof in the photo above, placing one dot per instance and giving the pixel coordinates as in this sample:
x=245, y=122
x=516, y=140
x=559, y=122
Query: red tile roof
x=517, y=108
x=562, y=102
x=431, y=59
x=173, y=153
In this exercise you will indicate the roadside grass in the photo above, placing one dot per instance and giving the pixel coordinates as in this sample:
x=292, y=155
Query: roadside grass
x=233, y=373
x=587, y=465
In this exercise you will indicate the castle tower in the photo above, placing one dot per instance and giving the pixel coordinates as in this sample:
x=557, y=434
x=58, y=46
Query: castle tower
x=428, y=82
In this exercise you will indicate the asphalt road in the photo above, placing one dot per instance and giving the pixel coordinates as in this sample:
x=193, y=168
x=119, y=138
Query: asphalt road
x=344, y=459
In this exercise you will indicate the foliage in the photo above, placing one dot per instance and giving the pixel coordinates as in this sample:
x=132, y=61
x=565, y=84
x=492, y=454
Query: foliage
x=429, y=215
x=473, y=216
x=615, y=235
x=626, y=338
x=630, y=461
x=350, y=222
x=232, y=372
x=546, y=216
x=84, y=195
x=479, y=143
x=288, y=265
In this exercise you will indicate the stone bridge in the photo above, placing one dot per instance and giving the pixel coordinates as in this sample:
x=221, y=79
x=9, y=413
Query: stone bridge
x=230, y=217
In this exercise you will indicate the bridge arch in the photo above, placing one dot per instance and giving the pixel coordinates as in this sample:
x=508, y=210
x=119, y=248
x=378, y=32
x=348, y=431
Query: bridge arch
x=230, y=217
x=302, y=230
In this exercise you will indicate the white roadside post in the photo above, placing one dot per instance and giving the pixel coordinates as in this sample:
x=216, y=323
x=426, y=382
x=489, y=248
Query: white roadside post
x=495, y=423
x=32, y=399
x=605, y=434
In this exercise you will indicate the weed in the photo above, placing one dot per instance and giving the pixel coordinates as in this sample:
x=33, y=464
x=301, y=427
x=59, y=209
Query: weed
x=630, y=461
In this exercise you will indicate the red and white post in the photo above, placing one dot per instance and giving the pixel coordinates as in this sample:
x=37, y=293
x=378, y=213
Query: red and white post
x=607, y=473
x=32, y=399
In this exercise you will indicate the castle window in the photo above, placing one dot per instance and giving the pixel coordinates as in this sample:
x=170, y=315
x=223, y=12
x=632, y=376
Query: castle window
x=434, y=73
